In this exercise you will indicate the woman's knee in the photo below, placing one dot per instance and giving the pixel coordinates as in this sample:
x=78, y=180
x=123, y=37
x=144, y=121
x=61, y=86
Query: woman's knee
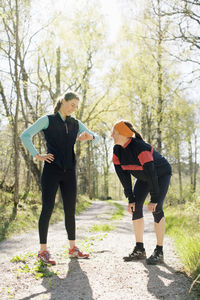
x=137, y=214
x=47, y=209
x=158, y=215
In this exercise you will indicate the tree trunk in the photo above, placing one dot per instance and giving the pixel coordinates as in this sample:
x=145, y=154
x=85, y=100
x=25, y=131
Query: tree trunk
x=32, y=166
x=159, y=82
x=15, y=129
x=57, y=72
x=106, y=169
x=94, y=177
x=89, y=177
x=195, y=164
x=190, y=165
x=143, y=120
x=27, y=175
x=179, y=175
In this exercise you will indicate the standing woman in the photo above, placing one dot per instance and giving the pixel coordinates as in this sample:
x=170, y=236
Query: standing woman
x=60, y=132
x=133, y=156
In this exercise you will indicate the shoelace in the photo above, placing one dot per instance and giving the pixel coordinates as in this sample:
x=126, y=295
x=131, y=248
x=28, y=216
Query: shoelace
x=45, y=255
x=74, y=250
x=157, y=253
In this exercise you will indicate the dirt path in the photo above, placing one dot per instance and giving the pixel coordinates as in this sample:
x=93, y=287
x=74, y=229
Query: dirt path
x=104, y=276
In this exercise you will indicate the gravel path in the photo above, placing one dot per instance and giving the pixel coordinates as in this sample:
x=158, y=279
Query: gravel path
x=104, y=276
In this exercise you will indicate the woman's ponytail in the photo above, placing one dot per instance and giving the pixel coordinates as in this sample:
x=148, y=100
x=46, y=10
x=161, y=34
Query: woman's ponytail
x=130, y=126
x=58, y=105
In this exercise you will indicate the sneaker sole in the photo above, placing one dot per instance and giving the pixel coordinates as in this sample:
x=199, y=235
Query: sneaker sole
x=75, y=257
x=78, y=257
x=155, y=263
x=47, y=263
x=134, y=259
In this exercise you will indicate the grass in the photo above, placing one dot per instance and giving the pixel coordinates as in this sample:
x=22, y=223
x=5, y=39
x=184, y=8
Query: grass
x=38, y=269
x=17, y=258
x=27, y=265
x=26, y=216
x=183, y=226
x=101, y=227
x=116, y=215
x=119, y=213
x=86, y=244
x=83, y=203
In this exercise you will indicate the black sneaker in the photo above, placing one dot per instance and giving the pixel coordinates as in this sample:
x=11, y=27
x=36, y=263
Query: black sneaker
x=137, y=254
x=156, y=258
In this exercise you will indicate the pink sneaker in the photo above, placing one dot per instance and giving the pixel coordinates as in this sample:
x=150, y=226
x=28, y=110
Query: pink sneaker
x=76, y=253
x=44, y=256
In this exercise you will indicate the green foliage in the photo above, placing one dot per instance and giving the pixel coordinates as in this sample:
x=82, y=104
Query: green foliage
x=23, y=259
x=101, y=227
x=83, y=203
x=26, y=217
x=182, y=224
x=119, y=213
x=38, y=269
x=116, y=215
x=41, y=270
x=180, y=123
x=87, y=244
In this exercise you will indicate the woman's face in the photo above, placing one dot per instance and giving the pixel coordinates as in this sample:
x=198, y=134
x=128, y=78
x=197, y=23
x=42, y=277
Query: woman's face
x=116, y=136
x=68, y=107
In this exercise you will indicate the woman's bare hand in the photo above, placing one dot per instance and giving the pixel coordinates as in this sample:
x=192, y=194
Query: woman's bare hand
x=131, y=208
x=152, y=206
x=85, y=136
x=45, y=157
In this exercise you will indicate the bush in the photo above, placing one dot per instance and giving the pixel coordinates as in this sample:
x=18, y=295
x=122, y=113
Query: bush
x=182, y=224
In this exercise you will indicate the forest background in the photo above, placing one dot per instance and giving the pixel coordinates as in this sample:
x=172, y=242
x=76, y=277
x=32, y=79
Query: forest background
x=126, y=60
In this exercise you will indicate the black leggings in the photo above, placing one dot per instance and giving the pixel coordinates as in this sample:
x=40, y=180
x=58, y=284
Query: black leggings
x=140, y=192
x=52, y=178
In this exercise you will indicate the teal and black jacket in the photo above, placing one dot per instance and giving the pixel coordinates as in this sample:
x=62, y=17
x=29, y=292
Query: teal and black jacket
x=60, y=136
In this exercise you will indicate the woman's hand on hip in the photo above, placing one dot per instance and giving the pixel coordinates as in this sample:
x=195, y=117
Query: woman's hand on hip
x=131, y=208
x=45, y=157
x=85, y=136
x=152, y=206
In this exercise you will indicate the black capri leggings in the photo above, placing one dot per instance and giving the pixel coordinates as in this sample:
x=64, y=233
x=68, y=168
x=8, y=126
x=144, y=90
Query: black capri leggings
x=52, y=178
x=140, y=192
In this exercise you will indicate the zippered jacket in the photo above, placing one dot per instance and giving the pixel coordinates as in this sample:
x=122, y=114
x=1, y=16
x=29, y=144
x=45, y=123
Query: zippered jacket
x=60, y=136
x=60, y=139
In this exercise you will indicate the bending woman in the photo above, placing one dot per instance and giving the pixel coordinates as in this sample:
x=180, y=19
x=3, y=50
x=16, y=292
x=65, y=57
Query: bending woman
x=133, y=156
x=60, y=132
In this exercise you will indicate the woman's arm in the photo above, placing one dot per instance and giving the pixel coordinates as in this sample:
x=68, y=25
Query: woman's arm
x=152, y=178
x=85, y=134
x=125, y=179
x=146, y=159
x=26, y=136
x=124, y=176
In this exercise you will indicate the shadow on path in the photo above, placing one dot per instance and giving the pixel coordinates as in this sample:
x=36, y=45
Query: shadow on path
x=74, y=286
x=177, y=287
